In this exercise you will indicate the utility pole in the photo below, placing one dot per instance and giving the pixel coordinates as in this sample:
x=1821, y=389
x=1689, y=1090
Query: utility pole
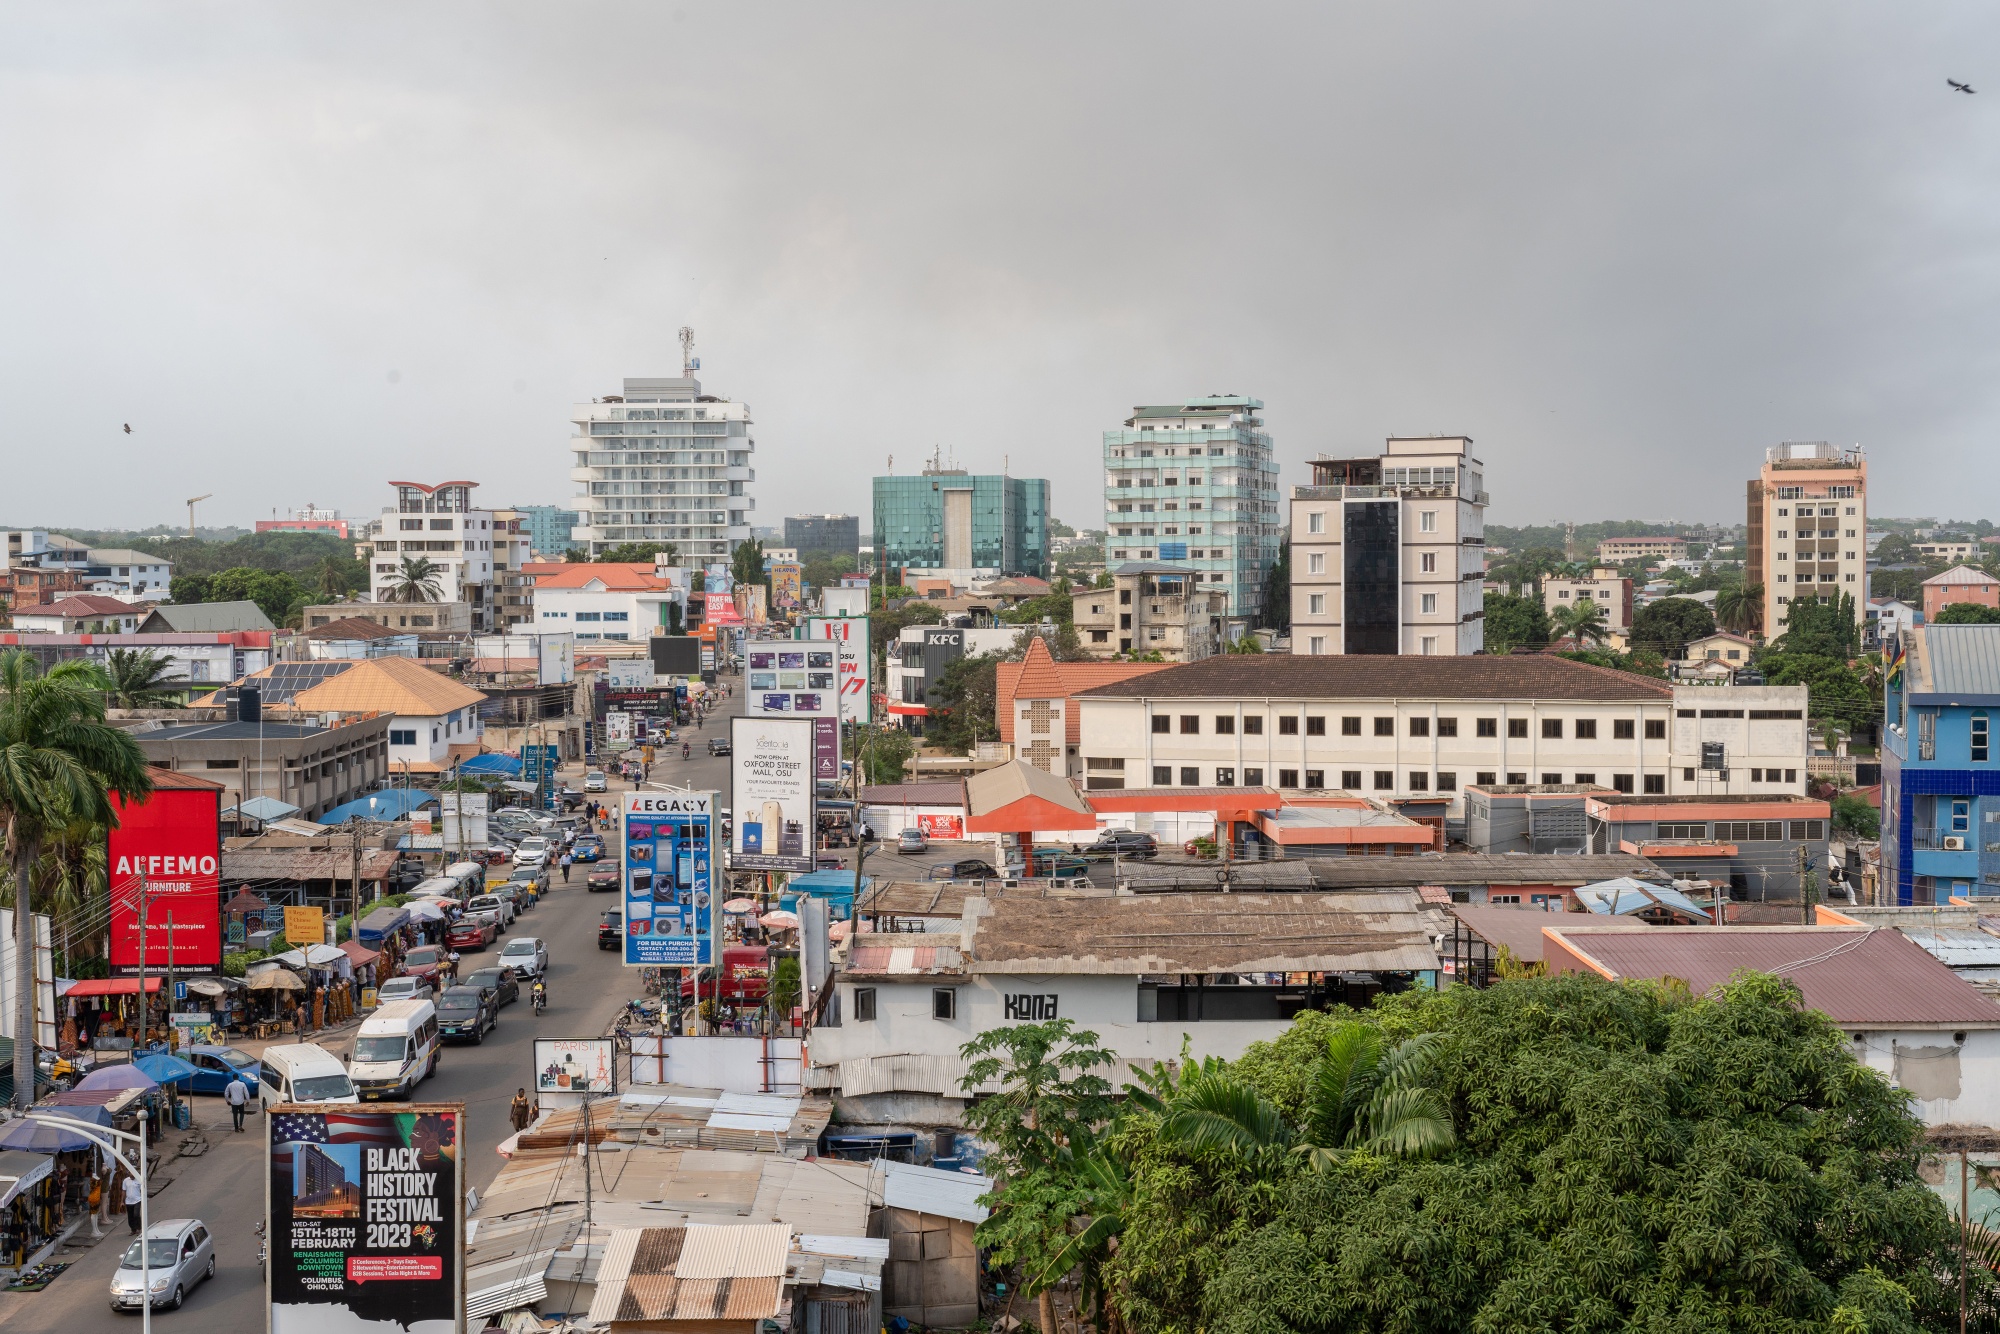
x=1808, y=894
x=143, y=1007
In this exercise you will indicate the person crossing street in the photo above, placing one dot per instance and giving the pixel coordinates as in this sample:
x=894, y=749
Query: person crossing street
x=238, y=1099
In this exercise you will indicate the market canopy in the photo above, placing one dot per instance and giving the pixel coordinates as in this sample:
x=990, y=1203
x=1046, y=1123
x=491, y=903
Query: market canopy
x=117, y=1077
x=520, y=785
x=40, y=1137
x=208, y=986
x=426, y=911
x=276, y=979
x=164, y=1068
x=379, y=925
x=19, y=1171
x=490, y=764
x=112, y=986
x=358, y=954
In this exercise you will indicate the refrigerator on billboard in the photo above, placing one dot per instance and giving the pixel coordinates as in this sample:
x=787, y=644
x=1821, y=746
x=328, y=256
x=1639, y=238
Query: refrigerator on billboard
x=670, y=908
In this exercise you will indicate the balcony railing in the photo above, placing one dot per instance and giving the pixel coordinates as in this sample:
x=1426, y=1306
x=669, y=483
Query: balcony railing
x=1932, y=838
x=1444, y=492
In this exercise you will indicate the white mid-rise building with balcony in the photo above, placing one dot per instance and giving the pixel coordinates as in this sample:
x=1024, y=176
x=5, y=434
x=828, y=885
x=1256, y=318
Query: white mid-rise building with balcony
x=1195, y=484
x=435, y=524
x=1387, y=552
x=663, y=462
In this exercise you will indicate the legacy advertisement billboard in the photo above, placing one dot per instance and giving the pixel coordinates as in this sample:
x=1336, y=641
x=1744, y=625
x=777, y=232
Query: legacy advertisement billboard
x=849, y=635
x=771, y=790
x=367, y=1219
x=670, y=908
x=575, y=1065
x=168, y=845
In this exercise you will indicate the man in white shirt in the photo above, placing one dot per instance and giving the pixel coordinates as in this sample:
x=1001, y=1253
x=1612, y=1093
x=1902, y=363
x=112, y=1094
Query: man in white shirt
x=237, y=1097
x=135, y=1195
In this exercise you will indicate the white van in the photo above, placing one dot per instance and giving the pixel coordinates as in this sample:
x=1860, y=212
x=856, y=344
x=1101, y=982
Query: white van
x=470, y=878
x=303, y=1072
x=396, y=1050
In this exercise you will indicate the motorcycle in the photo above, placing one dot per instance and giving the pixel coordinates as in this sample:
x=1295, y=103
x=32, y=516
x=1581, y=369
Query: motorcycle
x=540, y=998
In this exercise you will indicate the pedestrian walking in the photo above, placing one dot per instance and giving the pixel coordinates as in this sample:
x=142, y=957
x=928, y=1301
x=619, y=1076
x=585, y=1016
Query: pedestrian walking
x=238, y=1099
x=520, y=1111
x=134, y=1197
x=566, y=859
x=96, y=1199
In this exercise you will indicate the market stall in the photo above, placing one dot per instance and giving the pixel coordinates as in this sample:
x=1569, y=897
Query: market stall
x=273, y=994
x=106, y=1005
x=29, y=1210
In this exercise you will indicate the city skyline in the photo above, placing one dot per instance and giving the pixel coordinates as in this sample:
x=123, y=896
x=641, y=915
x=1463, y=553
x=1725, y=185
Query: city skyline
x=1656, y=241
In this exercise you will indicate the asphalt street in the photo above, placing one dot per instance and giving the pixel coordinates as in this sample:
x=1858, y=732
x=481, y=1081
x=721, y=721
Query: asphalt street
x=225, y=1186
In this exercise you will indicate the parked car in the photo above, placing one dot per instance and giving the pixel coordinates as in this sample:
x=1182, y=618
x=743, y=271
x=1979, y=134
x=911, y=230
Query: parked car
x=177, y=1254
x=966, y=868
x=1123, y=843
x=473, y=933
x=595, y=781
x=500, y=911
x=600, y=878
x=589, y=848
x=912, y=839
x=404, y=988
x=718, y=745
x=467, y=1014
x=611, y=931
x=215, y=1068
x=528, y=956
x=532, y=852
x=500, y=980
x=1056, y=862
x=521, y=896
x=429, y=963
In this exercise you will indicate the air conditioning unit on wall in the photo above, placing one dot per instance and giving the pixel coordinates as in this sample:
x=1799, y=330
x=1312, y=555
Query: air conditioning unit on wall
x=1954, y=843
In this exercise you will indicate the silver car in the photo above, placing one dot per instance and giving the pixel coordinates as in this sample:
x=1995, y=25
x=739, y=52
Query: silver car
x=179, y=1254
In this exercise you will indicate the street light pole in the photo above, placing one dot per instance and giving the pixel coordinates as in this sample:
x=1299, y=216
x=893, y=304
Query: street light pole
x=95, y=1134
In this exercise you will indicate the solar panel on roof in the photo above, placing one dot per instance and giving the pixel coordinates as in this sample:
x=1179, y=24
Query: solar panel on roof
x=287, y=679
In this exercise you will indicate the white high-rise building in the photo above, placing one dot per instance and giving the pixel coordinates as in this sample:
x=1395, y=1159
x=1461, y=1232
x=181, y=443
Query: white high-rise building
x=438, y=524
x=1388, y=552
x=663, y=462
x=1196, y=484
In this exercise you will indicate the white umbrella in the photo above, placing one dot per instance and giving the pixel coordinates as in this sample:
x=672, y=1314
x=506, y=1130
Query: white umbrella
x=428, y=912
x=779, y=920
x=740, y=905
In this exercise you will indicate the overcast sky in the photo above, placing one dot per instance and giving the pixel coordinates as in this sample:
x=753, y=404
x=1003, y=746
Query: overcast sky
x=304, y=248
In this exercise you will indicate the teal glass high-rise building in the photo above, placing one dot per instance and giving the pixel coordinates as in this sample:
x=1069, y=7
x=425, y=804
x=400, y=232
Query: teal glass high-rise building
x=1195, y=484
x=947, y=519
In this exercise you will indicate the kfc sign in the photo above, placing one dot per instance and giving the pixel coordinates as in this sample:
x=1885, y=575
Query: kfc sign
x=168, y=846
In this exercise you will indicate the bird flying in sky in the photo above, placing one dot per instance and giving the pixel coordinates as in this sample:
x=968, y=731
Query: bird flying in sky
x=128, y=428
x=1961, y=87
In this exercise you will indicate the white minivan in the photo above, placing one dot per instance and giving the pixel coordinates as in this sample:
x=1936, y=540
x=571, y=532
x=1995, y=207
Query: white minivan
x=303, y=1072
x=396, y=1050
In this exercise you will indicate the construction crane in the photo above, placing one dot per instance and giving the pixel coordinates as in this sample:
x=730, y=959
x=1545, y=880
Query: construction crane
x=191, y=504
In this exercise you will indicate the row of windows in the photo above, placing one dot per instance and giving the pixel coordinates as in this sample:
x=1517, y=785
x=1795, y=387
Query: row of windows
x=1747, y=831
x=1581, y=729
x=1384, y=780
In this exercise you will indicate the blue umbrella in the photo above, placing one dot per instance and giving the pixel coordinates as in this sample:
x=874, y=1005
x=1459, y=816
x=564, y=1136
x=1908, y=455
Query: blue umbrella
x=117, y=1077
x=164, y=1068
x=41, y=1137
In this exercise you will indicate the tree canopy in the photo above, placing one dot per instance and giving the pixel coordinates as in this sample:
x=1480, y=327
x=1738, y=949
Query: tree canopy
x=1966, y=613
x=1515, y=622
x=1666, y=626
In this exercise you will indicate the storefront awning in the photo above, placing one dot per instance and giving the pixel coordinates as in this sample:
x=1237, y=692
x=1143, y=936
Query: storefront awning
x=113, y=986
x=20, y=1170
x=359, y=953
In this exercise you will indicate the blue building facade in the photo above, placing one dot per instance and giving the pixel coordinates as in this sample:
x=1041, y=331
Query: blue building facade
x=548, y=528
x=1940, y=773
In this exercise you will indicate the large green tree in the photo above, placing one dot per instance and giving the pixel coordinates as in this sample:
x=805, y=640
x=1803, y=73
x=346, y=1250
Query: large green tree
x=1627, y=1158
x=275, y=592
x=1966, y=613
x=1515, y=622
x=1666, y=626
x=59, y=761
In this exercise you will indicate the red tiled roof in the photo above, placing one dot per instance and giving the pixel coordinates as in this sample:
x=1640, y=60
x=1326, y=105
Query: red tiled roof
x=1855, y=978
x=84, y=604
x=617, y=577
x=1042, y=677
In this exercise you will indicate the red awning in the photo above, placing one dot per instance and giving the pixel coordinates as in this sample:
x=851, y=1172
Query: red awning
x=358, y=952
x=112, y=986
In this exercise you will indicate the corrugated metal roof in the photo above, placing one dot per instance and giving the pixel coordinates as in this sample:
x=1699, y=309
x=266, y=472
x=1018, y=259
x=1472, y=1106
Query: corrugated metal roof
x=902, y=960
x=1957, y=949
x=1962, y=659
x=1284, y=677
x=1875, y=979
x=929, y=1190
x=746, y=1250
x=1623, y=896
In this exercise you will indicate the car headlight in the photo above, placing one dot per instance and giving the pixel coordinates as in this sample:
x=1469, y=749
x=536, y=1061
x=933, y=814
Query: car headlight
x=160, y=1284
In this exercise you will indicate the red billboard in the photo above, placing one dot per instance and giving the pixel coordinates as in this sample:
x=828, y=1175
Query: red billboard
x=169, y=847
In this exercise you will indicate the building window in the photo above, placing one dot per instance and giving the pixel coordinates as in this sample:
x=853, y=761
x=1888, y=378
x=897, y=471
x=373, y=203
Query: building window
x=1253, y=725
x=1385, y=727
x=1486, y=727
x=1253, y=778
x=1586, y=729
x=1225, y=724
x=1315, y=644
x=1163, y=775
x=1420, y=727
x=1516, y=779
x=1351, y=779
x=864, y=1004
x=1315, y=778
x=1288, y=778
x=1225, y=776
x=1621, y=782
x=1385, y=780
x=1420, y=780
x=1427, y=521
x=1926, y=734
x=1427, y=604
x=1517, y=728
x=1622, y=729
x=1447, y=782
x=1979, y=738
x=1315, y=604
x=1427, y=646
x=403, y=736
x=1656, y=729
x=1687, y=775
x=1586, y=778
x=1484, y=778
x=1316, y=563
x=944, y=1002
x=1190, y=776
x=1552, y=729
x=1288, y=724
x=1163, y=723
x=1427, y=563
x=1315, y=725
x=1316, y=521
x=1190, y=724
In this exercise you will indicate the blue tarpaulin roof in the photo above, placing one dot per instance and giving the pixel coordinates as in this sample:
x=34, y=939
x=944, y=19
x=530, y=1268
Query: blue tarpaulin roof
x=1624, y=896
x=376, y=926
x=394, y=803
x=836, y=887
x=492, y=764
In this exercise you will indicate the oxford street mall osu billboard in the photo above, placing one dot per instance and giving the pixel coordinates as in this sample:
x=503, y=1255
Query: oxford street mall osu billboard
x=367, y=1219
x=167, y=845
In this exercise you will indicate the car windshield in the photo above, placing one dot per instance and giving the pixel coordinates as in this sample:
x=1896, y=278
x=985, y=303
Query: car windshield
x=521, y=947
x=533, y=844
x=321, y=1087
x=423, y=954
x=380, y=1049
x=242, y=1060
x=455, y=1004
x=485, y=977
x=161, y=1252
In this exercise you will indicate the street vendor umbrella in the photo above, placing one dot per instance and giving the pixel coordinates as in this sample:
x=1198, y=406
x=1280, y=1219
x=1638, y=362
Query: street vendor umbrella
x=41, y=1137
x=425, y=910
x=740, y=905
x=276, y=979
x=838, y=931
x=779, y=920
x=165, y=1068
x=118, y=1077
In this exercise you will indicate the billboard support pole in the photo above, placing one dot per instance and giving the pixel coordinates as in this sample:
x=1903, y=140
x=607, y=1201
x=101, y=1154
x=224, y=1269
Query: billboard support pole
x=143, y=1016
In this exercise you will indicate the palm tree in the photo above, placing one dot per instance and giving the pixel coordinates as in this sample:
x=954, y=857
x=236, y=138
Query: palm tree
x=416, y=580
x=140, y=679
x=330, y=578
x=1366, y=1097
x=1740, y=610
x=1583, y=621
x=59, y=762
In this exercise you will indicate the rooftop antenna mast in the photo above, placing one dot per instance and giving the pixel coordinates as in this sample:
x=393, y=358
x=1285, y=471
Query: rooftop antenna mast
x=689, y=362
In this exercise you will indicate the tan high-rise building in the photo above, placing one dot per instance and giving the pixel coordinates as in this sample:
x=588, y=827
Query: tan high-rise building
x=1808, y=521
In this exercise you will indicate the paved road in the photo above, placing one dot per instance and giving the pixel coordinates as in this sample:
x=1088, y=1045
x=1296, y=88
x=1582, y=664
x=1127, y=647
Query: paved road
x=225, y=1186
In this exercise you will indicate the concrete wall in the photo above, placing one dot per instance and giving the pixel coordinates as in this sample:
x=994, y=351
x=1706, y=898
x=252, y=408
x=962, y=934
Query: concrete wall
x=734, y=1065
x=1949, y=1082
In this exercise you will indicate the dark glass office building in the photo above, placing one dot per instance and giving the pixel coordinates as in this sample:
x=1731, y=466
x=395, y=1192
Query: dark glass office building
x=823, y=534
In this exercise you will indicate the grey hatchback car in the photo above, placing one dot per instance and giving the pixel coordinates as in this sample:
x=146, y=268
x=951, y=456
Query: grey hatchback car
x=179, y=1253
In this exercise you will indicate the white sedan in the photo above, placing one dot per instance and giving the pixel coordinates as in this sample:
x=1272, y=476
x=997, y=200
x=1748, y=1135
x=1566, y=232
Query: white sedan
x=532, y=852
x=528, y=956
